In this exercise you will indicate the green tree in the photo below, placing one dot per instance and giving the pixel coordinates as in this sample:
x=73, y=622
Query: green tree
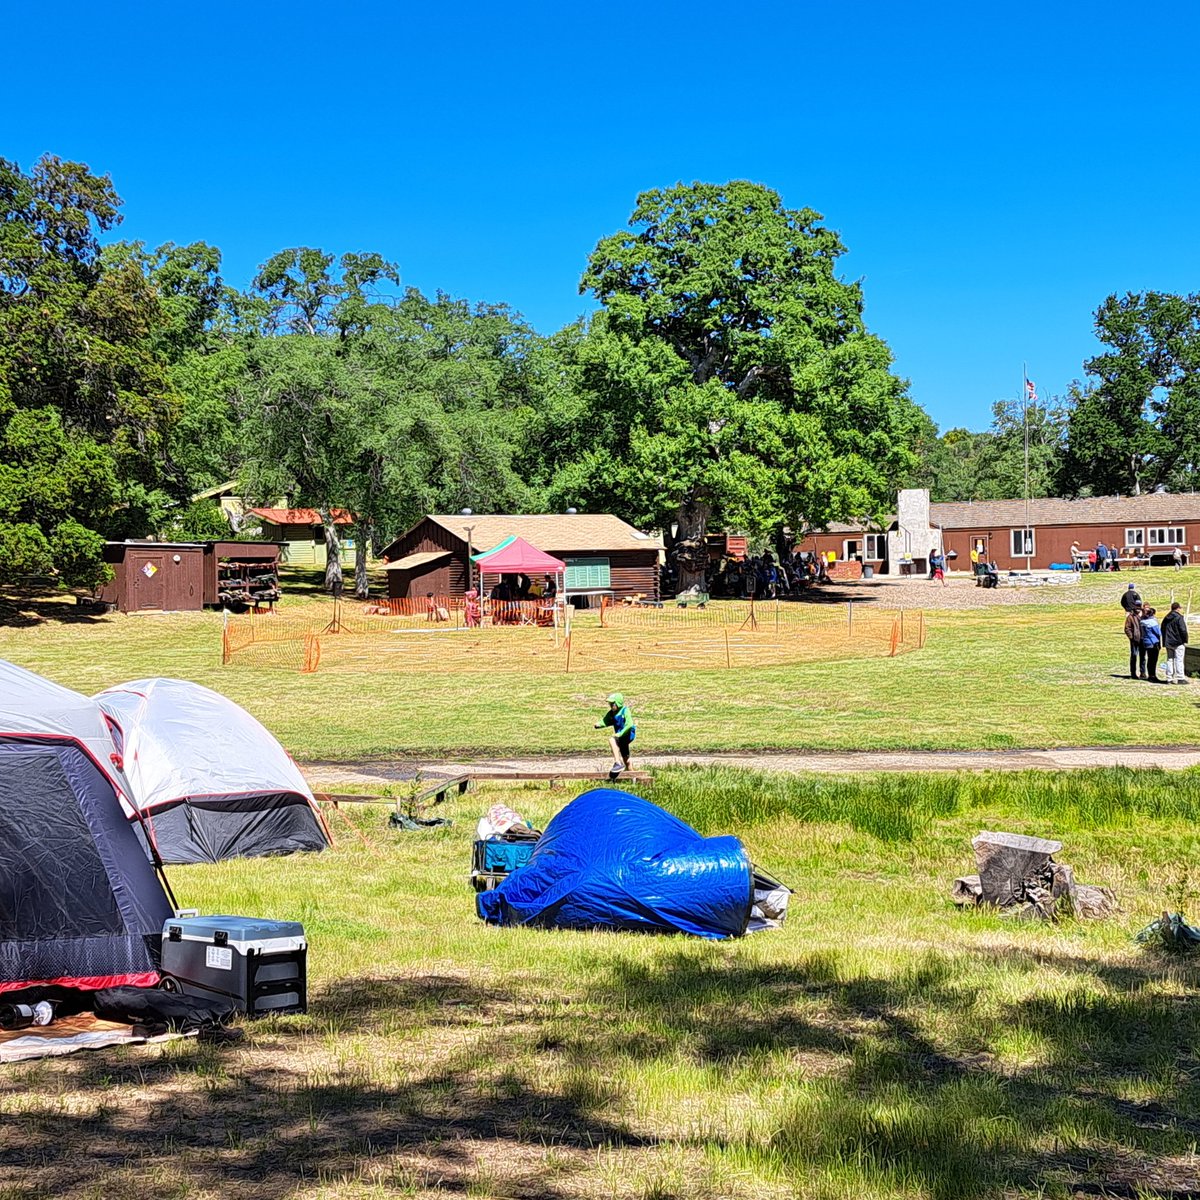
x=298, y=430
x=730, y=376
x=310, y=392
x=1135, y=423
x=85, y=400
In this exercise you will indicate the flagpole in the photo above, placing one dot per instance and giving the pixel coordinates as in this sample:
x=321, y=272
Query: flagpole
x=1025, y=402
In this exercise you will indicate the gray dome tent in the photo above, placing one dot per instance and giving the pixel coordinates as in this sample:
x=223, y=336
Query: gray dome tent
x=208, y=781
x=80, y=904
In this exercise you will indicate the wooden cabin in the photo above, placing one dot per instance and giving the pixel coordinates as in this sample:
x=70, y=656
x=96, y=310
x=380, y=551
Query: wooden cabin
x=301, y=534
x=604, y=555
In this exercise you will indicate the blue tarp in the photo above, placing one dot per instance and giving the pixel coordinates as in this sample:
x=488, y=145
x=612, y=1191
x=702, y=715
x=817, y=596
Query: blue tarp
x=611, y=860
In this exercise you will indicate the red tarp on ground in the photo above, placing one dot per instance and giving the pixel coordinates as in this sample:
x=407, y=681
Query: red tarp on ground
x=517, y=556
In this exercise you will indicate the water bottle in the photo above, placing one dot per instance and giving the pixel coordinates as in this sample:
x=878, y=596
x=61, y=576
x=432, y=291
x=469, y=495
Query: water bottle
x=21, y=1016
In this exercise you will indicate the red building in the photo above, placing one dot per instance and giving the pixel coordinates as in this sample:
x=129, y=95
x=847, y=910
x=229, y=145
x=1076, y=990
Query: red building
x=1142, y=529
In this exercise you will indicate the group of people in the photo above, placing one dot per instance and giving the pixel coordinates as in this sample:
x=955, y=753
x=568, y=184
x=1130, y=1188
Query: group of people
x=1148, y=638
x=763, y=576
x=507, y=596
x=1108, y=558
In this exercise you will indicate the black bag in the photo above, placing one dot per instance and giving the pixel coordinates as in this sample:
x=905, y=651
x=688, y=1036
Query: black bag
x=156, y=1009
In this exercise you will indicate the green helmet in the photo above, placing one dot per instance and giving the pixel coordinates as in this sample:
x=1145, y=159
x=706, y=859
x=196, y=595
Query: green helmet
x=616, y=698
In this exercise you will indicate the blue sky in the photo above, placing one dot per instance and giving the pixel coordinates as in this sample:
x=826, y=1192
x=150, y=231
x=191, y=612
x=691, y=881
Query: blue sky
x=995, y=170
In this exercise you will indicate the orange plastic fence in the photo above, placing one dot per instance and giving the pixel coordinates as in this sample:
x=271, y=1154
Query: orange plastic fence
x=517, y=638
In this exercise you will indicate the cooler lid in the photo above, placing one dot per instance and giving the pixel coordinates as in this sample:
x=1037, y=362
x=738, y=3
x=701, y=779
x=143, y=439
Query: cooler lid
x=236, y=929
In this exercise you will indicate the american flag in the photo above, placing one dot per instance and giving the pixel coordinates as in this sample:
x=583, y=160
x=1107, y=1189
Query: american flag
x=1031, y=391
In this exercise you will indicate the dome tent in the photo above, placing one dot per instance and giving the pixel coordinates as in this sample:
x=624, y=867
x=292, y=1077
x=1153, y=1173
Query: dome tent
x=611, y=860
x=207, y=779
x=80, y=904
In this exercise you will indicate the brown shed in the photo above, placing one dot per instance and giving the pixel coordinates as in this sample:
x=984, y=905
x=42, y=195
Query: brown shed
x=604, y=555
x=155, y=576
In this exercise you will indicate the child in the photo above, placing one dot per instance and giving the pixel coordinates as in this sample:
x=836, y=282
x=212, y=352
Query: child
x=620, y=720
x=471, y=611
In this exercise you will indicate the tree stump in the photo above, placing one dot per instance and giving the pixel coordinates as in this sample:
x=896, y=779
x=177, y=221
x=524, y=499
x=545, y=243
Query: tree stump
x=1007, y=860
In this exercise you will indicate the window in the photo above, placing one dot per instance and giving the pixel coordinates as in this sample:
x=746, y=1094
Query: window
x=1023, y=543
x=587, y=574
x=1168, y=535
x=876, y=546
x=1135, y=537
x=850, y=550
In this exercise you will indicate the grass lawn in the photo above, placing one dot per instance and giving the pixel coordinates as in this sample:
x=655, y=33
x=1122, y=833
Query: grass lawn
x=882, y=1044
x=1027, y=675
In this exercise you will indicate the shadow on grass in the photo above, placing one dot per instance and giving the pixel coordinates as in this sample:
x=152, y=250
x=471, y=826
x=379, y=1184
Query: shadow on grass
x=42, y=605
x=912, y=1096
x=870, y=1084
x=227, y=1118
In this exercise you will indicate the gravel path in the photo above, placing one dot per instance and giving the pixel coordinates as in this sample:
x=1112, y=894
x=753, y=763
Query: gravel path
x=322, y=776
x=960, y=592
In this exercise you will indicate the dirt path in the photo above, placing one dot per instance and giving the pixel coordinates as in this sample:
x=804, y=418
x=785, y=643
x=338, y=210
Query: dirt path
x=324, y=775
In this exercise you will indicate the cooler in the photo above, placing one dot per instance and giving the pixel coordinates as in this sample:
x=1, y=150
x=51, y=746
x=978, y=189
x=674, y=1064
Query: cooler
x=260, y=964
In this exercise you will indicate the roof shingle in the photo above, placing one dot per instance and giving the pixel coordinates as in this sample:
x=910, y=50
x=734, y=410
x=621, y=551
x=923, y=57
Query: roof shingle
x=1153, y=508
x=550, y=531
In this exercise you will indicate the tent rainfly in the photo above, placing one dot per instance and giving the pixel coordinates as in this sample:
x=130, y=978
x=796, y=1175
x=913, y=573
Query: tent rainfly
x=611, y=860
x=208, y=781
x=80, y=903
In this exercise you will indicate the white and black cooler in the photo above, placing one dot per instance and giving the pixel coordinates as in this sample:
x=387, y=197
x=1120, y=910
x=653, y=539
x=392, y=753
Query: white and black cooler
x=260, y=964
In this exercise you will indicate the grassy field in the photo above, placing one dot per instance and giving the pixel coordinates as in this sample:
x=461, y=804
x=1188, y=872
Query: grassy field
x=882, y=1044
x=1037, y=674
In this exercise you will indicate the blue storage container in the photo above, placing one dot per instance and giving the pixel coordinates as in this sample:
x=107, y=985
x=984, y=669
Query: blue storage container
x=496, y=858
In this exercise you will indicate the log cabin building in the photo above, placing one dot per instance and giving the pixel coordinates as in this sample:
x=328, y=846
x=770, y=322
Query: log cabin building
x=604, y=555
x=1145, y=530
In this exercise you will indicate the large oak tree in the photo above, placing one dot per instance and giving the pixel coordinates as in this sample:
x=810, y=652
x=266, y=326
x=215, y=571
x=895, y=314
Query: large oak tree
x=729, y=376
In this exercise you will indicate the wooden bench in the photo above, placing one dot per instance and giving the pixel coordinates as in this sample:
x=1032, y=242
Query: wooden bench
x=438, y=790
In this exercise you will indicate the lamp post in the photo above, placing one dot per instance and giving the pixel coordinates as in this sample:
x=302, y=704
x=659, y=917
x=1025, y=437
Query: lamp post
x=466, y=512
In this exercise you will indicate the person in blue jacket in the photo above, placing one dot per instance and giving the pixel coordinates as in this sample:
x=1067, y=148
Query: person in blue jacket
x=620, y=720
x=1151, y=642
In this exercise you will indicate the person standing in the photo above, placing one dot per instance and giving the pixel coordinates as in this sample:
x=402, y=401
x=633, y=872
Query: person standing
x=1101, y=557
x=1130, y=600
x=1174, y=638
x=937, y=563
x=1151, y=642
x=1177, y=558
x=1133, y=631
x=620, y=720
x=472, y=610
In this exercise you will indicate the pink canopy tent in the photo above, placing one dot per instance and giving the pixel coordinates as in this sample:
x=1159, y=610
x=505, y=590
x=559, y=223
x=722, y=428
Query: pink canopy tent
x=515, y=556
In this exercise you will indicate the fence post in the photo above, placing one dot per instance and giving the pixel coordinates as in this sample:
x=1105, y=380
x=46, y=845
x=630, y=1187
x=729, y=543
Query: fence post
x=895, y=637
x=728, y=663
x=921, y=634
x=568, y=641
x=850, y=618
x=902, y=625
x=224, y=637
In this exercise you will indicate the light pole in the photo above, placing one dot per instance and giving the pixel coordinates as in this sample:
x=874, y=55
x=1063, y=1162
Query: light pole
x=466, y=512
